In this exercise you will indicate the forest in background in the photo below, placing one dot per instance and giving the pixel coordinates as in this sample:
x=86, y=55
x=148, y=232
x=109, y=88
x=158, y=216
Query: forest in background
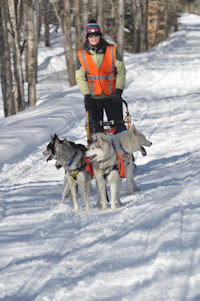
x=134, y=25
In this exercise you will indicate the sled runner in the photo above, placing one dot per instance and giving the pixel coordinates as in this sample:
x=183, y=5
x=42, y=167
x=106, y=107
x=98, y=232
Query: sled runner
x=108, y=126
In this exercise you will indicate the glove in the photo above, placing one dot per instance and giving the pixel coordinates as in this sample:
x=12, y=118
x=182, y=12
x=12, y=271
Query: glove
x=117, y=96
x=87, y=101
x=118, y=92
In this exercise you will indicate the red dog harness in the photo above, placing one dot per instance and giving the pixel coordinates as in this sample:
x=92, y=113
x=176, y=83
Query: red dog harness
x=88, y=167
x=120, y=163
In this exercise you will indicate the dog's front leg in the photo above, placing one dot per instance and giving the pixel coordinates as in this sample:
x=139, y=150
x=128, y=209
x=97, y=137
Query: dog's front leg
x=129, y=174
x=87, y=193
x=84, y=179
x=66, y=187
x=74, y=195
x=98, y=197
x=115, y=183
x=101, y=187
x=135, y=187
x=130, y=177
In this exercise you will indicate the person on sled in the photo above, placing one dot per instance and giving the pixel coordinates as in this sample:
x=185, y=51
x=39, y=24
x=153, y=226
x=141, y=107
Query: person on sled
x=100, y=75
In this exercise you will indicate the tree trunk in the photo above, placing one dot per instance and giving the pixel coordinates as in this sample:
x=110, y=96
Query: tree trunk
x=110, y=19
x=120, y=36
x=46, y=23
x=19, y=81
x=5, y=60
x=68, y=36
x=137, y=26
x=100, y=19
x=77, y=24
x=85, y=15
x=31, y=51
x=144, y=12
x=93, y=5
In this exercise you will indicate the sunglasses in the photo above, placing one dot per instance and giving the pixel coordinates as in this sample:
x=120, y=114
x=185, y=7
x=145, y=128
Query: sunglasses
x=96, y=34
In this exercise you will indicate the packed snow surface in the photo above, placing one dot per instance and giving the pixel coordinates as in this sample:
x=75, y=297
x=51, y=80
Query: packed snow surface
x=147, y=250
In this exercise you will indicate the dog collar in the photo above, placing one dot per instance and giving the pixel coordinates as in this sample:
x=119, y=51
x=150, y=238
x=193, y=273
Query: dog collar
x=72, y=160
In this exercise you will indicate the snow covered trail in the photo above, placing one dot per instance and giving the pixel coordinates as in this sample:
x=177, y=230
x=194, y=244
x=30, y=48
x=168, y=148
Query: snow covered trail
x=147, y=250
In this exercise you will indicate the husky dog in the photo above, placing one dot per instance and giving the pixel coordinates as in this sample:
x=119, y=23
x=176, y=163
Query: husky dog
x=104, y=158
x=126, y=143
x=70, y=156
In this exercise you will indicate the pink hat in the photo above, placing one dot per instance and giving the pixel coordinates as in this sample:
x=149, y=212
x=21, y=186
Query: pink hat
x=92, y=27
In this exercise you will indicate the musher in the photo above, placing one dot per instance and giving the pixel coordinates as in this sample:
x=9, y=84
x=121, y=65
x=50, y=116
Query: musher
x=100, y=76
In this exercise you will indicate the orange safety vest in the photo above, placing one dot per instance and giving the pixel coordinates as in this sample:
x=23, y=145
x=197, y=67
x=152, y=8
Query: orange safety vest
x=101, y=80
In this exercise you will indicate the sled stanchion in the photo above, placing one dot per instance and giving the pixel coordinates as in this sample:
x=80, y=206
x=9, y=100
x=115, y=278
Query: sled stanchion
x=88, y=127
x=128, y=118
x=128, y=121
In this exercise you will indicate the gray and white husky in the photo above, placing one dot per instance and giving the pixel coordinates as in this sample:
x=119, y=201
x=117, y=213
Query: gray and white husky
x=70, y=156
x=104, y=158
x=103, y=153
x=125, y=144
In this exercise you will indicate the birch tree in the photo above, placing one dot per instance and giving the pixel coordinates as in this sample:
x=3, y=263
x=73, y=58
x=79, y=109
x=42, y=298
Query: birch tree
x=31, y=49
x=120, y=35
x=46, y=22
x=85, y=13
x=93, y=6
x=100, y=18
x=17, y=58
x=140, y=25
x=111, y=19
x=64, y=19
x=77, y=24
x=69, y=45
x=5, y=63
x=144, y=13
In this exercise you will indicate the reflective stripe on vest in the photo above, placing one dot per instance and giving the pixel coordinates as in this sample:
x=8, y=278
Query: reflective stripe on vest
x=101, y=80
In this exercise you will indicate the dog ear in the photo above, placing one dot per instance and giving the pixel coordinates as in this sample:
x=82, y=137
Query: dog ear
x=52, y=139
x=55, y=137
x=99, y=140
x=102, y=138
x=133, y=129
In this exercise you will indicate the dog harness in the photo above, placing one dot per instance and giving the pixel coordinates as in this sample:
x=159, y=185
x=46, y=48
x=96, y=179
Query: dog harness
x=88, y=166
x=72, y=160
x=120, y=163
x=101, y=80
x=122, y=148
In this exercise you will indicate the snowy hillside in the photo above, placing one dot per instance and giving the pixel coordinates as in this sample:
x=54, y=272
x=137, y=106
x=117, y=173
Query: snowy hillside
x=148, y=250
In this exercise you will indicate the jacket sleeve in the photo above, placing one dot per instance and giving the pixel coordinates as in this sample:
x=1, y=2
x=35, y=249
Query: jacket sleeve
x=121, y=72
x=81, y=79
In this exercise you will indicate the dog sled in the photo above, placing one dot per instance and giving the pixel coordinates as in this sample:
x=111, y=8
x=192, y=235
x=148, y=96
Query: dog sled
x=108, y=126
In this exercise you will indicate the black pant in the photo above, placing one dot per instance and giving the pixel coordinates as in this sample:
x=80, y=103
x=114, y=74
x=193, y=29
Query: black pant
x=113, y=111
